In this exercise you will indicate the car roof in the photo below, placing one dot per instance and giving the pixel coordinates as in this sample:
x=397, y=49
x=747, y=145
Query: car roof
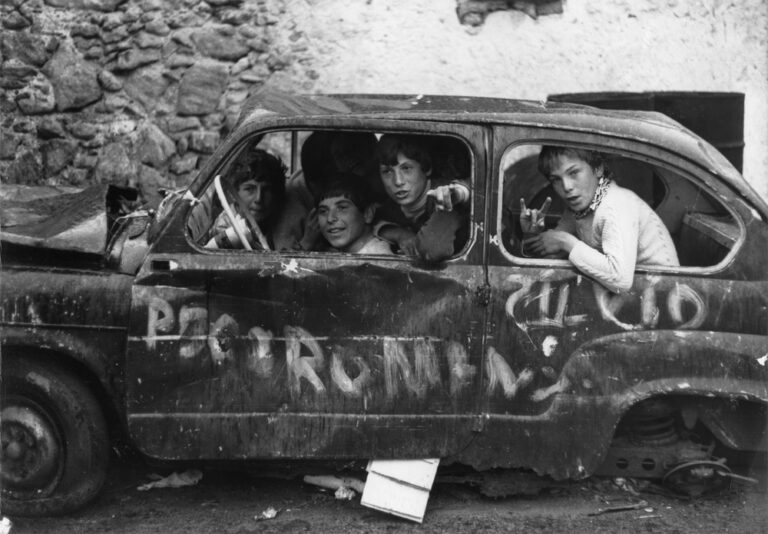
x=647, y=126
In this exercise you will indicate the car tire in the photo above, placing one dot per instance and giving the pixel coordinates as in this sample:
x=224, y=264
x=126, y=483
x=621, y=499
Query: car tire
x=55, y=444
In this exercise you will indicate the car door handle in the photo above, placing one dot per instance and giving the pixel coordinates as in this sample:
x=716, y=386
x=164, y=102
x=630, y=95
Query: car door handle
x=164, y=265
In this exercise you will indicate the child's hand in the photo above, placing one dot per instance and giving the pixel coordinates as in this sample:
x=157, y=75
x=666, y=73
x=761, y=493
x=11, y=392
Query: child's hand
x=446, y=196
x=532, y=221
x=311, y=231
x=407, y=245
x=550, y=243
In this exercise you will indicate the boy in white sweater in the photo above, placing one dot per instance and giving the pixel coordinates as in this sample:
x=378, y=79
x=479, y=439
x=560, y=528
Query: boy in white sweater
x=606, y=231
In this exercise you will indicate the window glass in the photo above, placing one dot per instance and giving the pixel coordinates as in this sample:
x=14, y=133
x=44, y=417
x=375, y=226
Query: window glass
x=354, y=192
x=702, y=230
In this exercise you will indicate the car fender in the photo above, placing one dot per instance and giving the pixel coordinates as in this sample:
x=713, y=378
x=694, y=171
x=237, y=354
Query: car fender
x=91, y=350
x=631, y=366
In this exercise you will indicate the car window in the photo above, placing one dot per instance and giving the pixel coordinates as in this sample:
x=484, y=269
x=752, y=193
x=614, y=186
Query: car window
x=702, y=229
x=336, y=192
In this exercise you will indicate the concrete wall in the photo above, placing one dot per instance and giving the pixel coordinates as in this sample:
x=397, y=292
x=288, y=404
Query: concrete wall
x=140, y=91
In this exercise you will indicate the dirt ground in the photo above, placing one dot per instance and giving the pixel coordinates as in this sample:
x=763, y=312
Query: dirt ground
x=232, y=503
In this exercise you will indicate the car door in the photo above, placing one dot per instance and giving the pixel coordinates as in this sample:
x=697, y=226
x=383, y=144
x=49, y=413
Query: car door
x=243, y=354
x=565, y=354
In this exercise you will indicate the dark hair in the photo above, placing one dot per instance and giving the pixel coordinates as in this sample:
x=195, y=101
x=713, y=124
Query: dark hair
x=315, y=159
x=261, y=166
x=357, y=146
x=411, y=146
x=593, y=158
x=347, y=186
x=322, y=151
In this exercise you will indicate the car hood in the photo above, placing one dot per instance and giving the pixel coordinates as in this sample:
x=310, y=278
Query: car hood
x=60, y=219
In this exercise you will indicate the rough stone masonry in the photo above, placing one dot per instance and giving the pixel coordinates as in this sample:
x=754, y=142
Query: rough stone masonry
x=134, y=92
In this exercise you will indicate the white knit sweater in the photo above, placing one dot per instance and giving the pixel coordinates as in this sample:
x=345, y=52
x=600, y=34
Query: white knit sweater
x=622, y=232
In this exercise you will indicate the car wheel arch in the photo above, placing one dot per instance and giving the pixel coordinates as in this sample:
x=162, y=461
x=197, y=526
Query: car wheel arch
x=108, y=397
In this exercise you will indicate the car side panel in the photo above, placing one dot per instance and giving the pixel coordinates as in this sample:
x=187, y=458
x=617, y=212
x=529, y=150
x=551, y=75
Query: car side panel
x=235, y=354
x=588, y=355
x=69, y=314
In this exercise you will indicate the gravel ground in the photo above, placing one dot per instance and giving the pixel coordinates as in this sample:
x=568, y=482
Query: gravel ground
x=231, y=503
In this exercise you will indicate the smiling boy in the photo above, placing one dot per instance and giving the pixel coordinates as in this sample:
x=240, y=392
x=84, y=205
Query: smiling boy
x=344, y=215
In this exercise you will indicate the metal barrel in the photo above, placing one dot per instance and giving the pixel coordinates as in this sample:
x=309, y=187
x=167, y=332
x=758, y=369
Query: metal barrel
x=715, y=116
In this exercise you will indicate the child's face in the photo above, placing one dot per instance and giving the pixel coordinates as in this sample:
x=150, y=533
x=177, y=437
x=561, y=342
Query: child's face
x=405, y=181
x=574, y=180
x=257, y=197
x=342, y=223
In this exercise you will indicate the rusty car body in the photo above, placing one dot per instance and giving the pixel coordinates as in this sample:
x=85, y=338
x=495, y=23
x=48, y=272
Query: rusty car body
x=128, y=326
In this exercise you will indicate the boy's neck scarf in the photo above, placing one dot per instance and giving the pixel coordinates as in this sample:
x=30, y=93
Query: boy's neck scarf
x=602, y=187
x=417, y=209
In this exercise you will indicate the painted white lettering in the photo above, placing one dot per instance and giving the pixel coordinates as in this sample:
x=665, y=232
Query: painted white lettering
x=462, y=372
x=427, y=368
x=397, y=369
x=677, y=296
x=259, y=357
x=193, y=324
x=649, y=311
x=526, y=296
x=302, y=366
x=349, y=387
x=610, y=304
x=544, y=393
x=160, y=319
x=501, y=374
x=513, y=299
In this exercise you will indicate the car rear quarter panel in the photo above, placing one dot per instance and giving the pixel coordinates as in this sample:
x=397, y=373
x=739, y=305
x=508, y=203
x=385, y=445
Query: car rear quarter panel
x=694, y=331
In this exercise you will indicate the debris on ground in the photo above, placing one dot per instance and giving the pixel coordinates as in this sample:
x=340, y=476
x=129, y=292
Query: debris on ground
x=626, y=484
x=269, y=513
x=400, y=487
x=345, y=494
x=335, y=483
x=621, y=508
x=174, y=480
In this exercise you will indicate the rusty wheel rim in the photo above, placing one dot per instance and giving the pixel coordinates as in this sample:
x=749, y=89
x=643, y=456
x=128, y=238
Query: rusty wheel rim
x=31, y=449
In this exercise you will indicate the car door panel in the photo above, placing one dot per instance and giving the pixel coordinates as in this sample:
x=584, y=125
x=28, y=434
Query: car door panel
x=307, y=355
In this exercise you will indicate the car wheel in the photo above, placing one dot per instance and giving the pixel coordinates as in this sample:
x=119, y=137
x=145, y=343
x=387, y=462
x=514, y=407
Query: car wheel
x=55, y=446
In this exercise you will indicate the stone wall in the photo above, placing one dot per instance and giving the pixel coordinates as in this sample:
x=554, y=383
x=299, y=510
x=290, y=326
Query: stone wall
x=141, y=91
x=133, y=92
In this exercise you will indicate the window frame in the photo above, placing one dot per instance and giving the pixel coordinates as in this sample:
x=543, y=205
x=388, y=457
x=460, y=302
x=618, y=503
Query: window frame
x=627, y=149
x=457, y=130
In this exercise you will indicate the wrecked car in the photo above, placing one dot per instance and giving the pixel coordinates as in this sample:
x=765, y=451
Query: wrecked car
x=129, y=326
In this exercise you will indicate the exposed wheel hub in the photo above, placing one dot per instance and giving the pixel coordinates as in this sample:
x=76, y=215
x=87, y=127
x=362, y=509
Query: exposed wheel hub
x=30, y=449
x=698, y=477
